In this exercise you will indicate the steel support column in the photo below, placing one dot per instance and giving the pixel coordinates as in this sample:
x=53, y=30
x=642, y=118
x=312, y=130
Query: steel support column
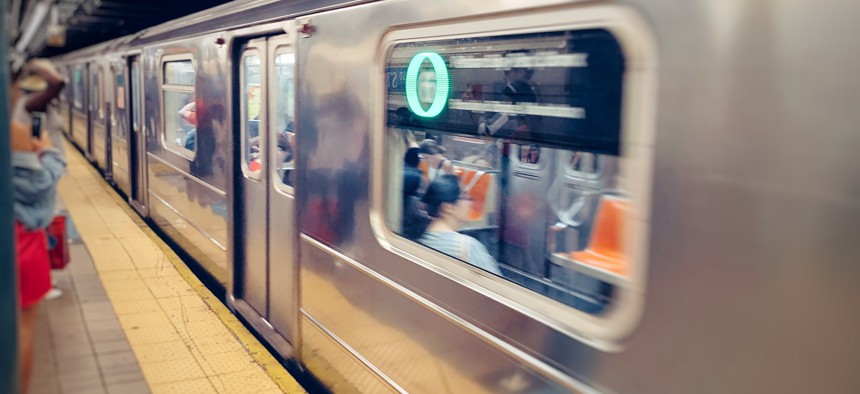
x=9, y=367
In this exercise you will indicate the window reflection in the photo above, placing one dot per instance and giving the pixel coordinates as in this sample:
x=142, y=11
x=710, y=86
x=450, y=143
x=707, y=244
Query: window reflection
x=251, y=104
x=283, y=117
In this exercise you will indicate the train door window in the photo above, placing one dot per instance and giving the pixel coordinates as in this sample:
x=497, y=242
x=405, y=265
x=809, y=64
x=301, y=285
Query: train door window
x=64, y=96
x=251, y=105
x=119, y=99
x=95, y=95
x=481, y=134
x=101, y=93
x=529, y=154
x=180, y=108
x=135, y=88
x=78, y=88
x=284, y=117
x=584, y=165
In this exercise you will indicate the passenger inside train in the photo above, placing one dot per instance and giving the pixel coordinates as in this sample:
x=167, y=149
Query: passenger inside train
x=433, y=159
x=415, y=219
x=449, y=209
x=285, y=154
x=189, y=115
x=284, y=117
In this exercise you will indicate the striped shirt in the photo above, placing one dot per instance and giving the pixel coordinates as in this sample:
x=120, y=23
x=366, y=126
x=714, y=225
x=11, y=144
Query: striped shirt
x=462, y=247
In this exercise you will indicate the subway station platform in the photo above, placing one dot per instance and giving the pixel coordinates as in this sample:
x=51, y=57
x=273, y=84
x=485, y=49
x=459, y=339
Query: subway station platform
x=133, y=318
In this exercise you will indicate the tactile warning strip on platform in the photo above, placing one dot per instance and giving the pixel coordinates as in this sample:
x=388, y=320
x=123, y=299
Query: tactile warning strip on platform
x=184, y=339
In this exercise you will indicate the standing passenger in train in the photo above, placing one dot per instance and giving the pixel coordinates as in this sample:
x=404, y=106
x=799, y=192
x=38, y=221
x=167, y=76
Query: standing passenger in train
x=36, y=169
x=518, y=90
x=414, y=221
x=449, y=210
x=285, y=154
x=437, y=164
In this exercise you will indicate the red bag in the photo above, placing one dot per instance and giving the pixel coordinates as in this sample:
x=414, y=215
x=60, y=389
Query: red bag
x=58, y=247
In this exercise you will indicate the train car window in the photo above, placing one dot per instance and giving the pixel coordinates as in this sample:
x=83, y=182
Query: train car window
x=482, y=135
x=78, y=88
x=101, y=87
x=584, y=165
x=284, y=117
x=251, y=102
x=529, y=154
x=179, y=73
x=135, y=89
x=180, y=106
x=119, y=102
x=95, y=95
x=64, y=96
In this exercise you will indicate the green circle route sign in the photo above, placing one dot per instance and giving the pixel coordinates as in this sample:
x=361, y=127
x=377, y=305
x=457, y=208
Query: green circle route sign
x=424, y=86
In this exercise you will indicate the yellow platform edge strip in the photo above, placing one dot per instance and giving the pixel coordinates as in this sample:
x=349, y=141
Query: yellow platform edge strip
x=285, y=381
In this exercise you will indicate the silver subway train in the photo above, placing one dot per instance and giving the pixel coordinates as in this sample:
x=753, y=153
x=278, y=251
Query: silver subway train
x=505, y=196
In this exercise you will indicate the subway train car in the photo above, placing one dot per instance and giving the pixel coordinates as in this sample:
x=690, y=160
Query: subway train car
x=505, y=196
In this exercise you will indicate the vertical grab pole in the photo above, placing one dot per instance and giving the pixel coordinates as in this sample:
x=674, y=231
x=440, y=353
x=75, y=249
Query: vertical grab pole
x=9, y=365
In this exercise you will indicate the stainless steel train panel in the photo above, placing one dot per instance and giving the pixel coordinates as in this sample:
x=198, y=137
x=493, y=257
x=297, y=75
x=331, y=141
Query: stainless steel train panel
x=410, y=342
x=191, y=190
x=343, y=371
x=753, y=272
x=176, y=194
x=283, y=248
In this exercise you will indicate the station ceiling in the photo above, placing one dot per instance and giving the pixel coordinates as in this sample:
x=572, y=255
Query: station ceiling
x=47, y=28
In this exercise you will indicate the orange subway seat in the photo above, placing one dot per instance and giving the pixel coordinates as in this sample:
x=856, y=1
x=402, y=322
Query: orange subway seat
x=477, y=185
x=605, y=249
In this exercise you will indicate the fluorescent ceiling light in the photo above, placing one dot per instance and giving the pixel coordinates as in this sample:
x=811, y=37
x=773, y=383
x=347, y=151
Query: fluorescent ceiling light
x=35, y=21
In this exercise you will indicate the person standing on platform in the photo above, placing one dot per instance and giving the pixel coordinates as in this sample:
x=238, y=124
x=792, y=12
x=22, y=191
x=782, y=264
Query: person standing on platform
x=36, y=169
x=39, y=94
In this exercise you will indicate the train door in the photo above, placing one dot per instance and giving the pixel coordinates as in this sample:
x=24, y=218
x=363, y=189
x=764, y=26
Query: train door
x=265, y=277
x=97, y=140
x=528, y=181
x=80, y=111
x=119, y=128
x=136, y=138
